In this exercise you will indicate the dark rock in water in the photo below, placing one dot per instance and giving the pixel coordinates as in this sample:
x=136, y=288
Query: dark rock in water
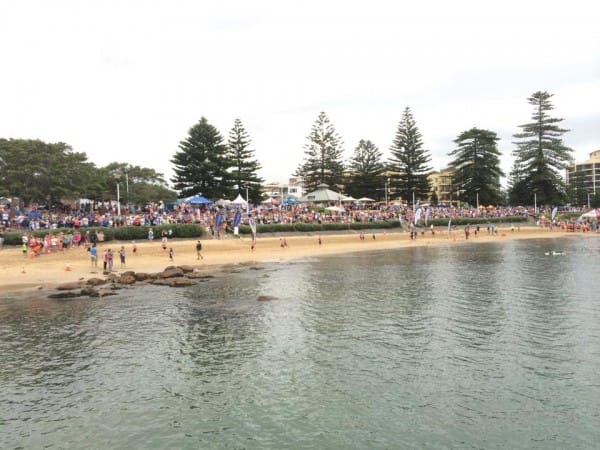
x=70, y=286
x=112, y=277
x=198, y=275
x=173, y=282
x=90, y=292
x=96, y=281
x=266, y=298
x=171, y=272
x=141, y=276
x=186, y=269
x=105, y=292
x=126, y=279
x=69, y=294
x=129, y=272
x=257, y=268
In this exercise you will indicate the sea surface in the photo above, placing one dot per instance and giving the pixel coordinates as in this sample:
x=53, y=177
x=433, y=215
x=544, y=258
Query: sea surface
x=487, y=346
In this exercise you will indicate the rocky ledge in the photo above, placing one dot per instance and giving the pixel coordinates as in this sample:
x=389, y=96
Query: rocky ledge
x=173, y=276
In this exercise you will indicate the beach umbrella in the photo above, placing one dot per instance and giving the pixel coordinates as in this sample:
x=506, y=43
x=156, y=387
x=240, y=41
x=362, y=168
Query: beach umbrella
x=365, y=199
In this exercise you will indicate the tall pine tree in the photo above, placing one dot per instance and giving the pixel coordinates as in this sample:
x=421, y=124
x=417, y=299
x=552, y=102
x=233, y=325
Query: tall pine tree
x=201, y=164
x=366, y=171
x=323, y=156
x=408, y=165
x=243, y=172
x=541, y=154
x=477, y=164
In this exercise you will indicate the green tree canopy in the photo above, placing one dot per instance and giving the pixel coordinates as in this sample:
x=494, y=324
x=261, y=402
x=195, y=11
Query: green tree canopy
x=201, y=164
x=137, y=185
x=366, y=171
x=409, y=162
x=323, y=156
x=244, y=171
x=477, y=164
x=540, y=155
x=40, y=172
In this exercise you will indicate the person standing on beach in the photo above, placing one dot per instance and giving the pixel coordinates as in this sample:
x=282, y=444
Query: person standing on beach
x=171, y=254
x=94, y=255
x=104, y=260
x=110, y=260
x=199, y=250
x=122, y=256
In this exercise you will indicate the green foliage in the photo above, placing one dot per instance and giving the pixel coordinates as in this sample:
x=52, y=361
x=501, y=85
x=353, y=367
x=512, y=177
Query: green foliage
x=38, y=172
x=540, y=156
x=201, y=164
x=323, y=156
x=477, y=163
x=476, y=220
x=138, y=185
x=409, y=163
x=245, y=167
x=366, y=168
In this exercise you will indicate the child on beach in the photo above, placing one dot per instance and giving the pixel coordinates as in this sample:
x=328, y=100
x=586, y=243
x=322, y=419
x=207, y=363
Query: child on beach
x=171, y=254
x=199, y=250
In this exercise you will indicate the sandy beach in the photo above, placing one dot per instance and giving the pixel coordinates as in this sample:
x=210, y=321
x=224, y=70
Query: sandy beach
x=19, y=273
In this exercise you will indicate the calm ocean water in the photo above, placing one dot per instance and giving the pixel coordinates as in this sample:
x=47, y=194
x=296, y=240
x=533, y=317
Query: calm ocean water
x=459, y=346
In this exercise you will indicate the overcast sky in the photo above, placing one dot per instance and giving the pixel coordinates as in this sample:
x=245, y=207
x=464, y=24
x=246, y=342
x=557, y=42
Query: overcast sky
x=126, y=80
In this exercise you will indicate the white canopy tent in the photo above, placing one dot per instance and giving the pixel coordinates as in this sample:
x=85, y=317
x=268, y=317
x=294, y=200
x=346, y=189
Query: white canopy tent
x=592, y=214
x=239, y=200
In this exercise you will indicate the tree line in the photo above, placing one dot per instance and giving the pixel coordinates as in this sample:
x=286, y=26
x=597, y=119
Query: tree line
x=205, y=163
x=201, y=165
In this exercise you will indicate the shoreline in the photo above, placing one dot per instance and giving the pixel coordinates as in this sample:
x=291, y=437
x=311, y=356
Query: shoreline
x=19, y=274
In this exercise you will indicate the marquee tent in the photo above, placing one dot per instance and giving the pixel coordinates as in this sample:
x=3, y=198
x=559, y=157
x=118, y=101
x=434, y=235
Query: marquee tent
x=324, y=194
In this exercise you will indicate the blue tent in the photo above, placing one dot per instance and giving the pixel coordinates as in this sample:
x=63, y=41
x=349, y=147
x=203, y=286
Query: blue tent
x=290, y=201
x=199, y=200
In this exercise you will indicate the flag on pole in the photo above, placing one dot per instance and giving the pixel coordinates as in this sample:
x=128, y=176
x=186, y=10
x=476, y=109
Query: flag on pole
x=418, y=215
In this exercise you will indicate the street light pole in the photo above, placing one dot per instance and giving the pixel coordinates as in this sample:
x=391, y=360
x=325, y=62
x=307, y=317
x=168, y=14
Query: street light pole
x=477, y=192
x=588, y=199
x=535, y=203
x=413, y=195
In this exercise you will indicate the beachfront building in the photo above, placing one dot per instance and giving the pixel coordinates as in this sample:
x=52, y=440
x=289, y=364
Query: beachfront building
x=585, y=175
x=280, y=191
x=442, y=184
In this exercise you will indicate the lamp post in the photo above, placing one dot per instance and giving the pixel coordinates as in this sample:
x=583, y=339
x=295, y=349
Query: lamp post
x=477, y=193
x=535, y=203
x=588, y=199
x=413, y=199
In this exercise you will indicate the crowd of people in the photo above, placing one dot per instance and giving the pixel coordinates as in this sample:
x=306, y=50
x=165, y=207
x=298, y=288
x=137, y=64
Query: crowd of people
x=206, y=215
